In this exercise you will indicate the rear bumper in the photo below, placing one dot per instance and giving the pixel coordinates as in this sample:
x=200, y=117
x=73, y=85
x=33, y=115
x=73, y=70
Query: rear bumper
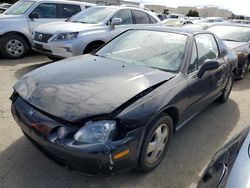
x=95, y=160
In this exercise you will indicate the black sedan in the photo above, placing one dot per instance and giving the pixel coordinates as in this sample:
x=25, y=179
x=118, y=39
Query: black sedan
x=237, y=38
x=230, y=166
x=117, y=108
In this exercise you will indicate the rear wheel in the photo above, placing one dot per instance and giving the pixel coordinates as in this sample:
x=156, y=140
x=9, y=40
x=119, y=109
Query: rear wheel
x=227, y=90
x=244, y=70
x=156, y=142
x=13, y=46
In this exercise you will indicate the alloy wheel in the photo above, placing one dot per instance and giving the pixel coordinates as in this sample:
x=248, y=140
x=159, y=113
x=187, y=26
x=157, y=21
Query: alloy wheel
x=157, y=143
x=15, y=47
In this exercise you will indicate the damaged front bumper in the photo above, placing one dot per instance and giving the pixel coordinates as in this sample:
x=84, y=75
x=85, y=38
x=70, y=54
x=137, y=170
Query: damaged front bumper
x=90, y=160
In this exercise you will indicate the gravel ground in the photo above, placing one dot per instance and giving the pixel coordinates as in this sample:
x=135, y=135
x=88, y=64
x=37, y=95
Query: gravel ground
x=22, y=165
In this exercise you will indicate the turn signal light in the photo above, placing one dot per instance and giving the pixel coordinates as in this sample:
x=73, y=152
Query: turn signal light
x=121, y=154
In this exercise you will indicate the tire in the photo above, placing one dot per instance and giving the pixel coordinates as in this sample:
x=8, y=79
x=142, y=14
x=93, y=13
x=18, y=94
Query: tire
x=227, y=90
x=244, y=71
x=92, y=46
x=156, y=142
x=53, y=58
x=13, y=46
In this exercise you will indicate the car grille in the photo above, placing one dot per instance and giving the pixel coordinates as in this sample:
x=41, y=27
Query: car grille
x=42, y=37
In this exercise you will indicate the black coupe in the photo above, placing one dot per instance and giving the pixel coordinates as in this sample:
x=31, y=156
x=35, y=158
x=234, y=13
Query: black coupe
x=118, y=108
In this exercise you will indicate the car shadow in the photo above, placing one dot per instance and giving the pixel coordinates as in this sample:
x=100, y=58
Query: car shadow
x=22, y=165
x=244, y=84
x=30, y=58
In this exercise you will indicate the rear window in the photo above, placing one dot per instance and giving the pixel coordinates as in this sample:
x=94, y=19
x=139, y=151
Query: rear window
x=141, y=17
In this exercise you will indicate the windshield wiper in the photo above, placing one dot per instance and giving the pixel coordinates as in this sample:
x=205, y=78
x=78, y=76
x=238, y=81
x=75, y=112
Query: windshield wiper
x=76, y=21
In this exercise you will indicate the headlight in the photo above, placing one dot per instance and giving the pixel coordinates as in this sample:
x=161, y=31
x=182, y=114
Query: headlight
x=66, y=36
x=95, y=132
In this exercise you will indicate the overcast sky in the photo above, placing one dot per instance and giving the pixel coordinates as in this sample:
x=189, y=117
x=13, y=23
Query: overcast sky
x=237, y=6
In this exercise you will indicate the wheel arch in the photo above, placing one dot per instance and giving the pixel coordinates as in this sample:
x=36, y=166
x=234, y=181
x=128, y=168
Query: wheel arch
x=19, y=34
x=173, y=112
x=101, y=42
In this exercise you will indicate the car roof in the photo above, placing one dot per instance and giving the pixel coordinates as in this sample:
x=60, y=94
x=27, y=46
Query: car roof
x=125, y=7
x=179, y=30
x=64, y=1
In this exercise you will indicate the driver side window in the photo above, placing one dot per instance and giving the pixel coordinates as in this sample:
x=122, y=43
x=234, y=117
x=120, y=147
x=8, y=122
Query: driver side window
x=207, y=48
x=46, y=10
x=125, y=15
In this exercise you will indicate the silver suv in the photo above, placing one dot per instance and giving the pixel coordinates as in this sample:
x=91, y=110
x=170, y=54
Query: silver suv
x=18, y=23
x=88, y=30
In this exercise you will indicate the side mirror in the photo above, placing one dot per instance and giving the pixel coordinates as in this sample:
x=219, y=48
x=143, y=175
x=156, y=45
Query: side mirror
x=208, y=65
x=116, y=21
x=223, y=52
x=34, y=16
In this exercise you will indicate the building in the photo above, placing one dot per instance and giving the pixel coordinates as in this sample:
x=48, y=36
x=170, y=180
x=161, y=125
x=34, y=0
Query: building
x=206, y=11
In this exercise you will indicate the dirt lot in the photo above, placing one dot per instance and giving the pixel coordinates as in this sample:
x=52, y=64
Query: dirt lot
x=22, y=165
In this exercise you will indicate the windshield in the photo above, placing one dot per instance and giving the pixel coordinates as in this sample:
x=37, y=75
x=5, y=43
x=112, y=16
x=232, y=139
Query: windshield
x=92, y=15
x=19, y=8
x=231, y=33
x=156, y=49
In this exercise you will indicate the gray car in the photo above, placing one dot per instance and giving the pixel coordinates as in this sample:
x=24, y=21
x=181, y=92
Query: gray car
x=230, y=167
x=88, y=30
x=18, y=23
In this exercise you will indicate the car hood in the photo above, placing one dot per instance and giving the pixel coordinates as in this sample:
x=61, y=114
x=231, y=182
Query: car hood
x=8, y=16
x=235, y=45
x=64, y=26
x=86, y=86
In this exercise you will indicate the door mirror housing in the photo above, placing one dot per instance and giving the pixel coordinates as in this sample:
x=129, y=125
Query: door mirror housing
x=33, y=15
x=116, y=21
x=208, y=65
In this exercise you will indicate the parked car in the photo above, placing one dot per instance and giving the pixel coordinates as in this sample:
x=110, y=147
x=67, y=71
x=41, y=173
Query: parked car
x=176, y=22
x=88, y=30
x=4, y=7
x=20, y=20
x=213, y=19
x=118, y=108
x=237, y=38
x=240, y=21
x=230, y=167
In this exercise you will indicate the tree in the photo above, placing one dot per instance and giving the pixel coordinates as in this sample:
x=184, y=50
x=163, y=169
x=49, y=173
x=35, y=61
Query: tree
x=193, y=13
x=166, y=11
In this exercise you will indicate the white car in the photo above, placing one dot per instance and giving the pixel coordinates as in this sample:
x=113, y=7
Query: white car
x=18, y=23
x=88, y=30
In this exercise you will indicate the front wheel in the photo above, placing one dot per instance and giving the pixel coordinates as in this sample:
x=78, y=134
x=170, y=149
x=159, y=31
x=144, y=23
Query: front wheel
x=156, y=142
x=14, y=46
x=227, y=90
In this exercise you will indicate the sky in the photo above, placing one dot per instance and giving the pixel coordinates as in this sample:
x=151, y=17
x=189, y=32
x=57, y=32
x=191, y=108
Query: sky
x=237, y=6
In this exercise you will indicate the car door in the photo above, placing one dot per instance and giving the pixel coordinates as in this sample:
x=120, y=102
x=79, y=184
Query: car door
x=47, y=12
x=202, y=91
x=127, y=22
